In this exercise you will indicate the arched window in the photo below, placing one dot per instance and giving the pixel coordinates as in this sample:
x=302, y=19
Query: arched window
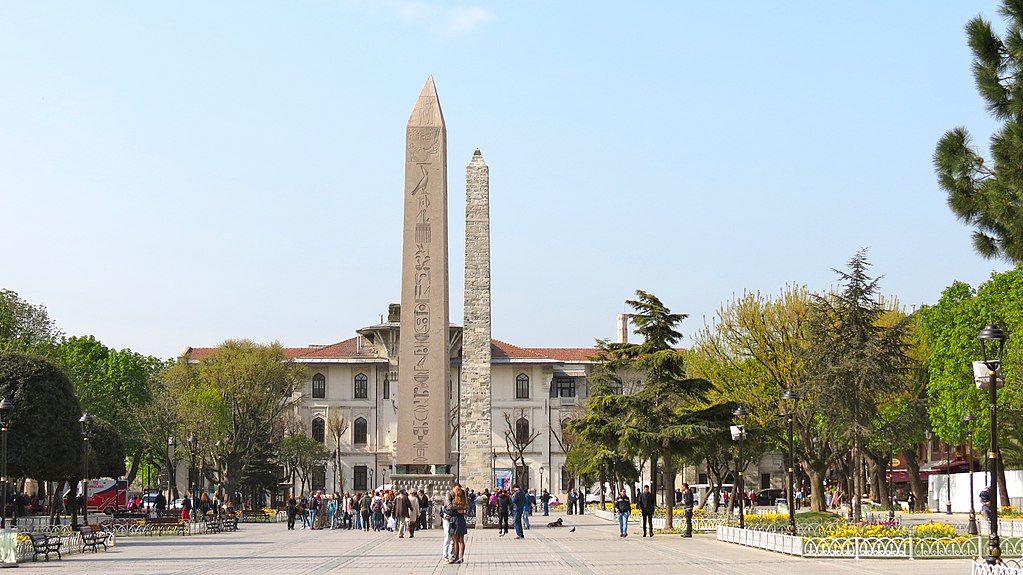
x=522, y=430
x=361, y=386
x=359, y=431
x=319, y=386
x=319, y=430
x=522, y=386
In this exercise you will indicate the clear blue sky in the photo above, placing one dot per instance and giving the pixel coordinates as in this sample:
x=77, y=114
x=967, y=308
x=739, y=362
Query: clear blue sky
x=180, y=173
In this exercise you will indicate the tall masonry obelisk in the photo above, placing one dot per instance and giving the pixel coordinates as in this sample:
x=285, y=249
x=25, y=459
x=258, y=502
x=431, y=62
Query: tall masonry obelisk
x=475, y=440
x=424, y=365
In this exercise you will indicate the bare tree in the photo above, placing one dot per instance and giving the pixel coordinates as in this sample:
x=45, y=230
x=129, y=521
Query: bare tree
x=517, y=438
x=338, y=426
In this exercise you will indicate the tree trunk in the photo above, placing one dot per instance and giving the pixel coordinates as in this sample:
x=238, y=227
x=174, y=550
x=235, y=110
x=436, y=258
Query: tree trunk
x=916, y=485
x=816, y=471
x=1003, y=489
x=670, y=470
x=133, y=470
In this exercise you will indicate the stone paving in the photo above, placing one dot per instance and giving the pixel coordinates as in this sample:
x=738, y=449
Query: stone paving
x=594, y=548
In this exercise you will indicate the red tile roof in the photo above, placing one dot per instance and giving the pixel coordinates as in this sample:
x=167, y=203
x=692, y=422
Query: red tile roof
x=569, y=354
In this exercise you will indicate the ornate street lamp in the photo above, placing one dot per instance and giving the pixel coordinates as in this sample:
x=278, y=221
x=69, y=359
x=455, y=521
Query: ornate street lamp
x=789, y=399
x=170, y=469
x=970, y=421
x=193, y=451
x=5, y=423
x=948, y=479
x=86, y=422
x=740, y=431
x=890, y=436
x=992, y=349
x=541, y=478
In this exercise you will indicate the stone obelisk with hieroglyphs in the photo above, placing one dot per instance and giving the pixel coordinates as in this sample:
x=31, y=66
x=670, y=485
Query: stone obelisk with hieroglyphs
x=475, y=433
x=424, y=364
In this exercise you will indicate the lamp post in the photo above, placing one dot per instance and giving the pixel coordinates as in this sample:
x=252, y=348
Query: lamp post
x=992, y=349
x=970, y=420
x=5, y=423
x=790, y=398
x=948, y=479
x=741, y=414
x=86, y=422
x=541, y=477
x=193, y=450
x=170, y=469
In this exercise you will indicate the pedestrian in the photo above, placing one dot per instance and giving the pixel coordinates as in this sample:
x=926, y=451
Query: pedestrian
x=678, y=496
x=518, y=508
x=646, y=509
x=687, y=506
x=160, y=504
x=458, y=528
x=530, y=505
x=332, y=513
x=571, y=501
x=413, y=508
x=582, y=502
x=503, y=509
x=365, y=510
x=985, y=502
x=911, y=501
x=545, y=498
x=314, y=511
x=292, y=511
x=424, y=508
x=303, y=511
x=400, y=513
x=623, y=508
x=186, y=508
x=378, y=512
x=449, y=541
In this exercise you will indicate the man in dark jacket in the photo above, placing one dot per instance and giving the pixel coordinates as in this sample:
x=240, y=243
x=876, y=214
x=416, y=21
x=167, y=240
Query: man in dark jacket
x=402, y=512
x=503, y=508
x=646, y=509
x=519, y=504
x=687, y=505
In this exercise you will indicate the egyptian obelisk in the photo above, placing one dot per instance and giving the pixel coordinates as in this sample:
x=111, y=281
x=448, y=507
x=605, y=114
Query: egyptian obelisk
x=475, y=463
x=423, y=362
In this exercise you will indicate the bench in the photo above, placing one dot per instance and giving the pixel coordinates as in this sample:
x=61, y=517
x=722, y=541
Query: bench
x=157, y=525
x=230, y=523
x=92, y=538
x=43, y=544
x=214, y=526
x=257, y=515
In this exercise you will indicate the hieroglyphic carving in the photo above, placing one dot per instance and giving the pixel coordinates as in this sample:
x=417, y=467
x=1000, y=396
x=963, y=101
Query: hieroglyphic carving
x=423, y=353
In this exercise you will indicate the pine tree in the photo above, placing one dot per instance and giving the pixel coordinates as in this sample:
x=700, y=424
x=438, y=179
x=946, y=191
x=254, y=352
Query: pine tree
x=987, y=196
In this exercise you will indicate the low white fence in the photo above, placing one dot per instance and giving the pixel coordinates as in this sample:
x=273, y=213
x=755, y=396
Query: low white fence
x=699, y=523
x=779, y=542
x=1008, y=568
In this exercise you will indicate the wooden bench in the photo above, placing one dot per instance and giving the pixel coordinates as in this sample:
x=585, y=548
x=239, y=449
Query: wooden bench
x=230, y=523
x=257, y=515
x=158, y=525
x=214, y=526
x=43, y=544
x=92, y=538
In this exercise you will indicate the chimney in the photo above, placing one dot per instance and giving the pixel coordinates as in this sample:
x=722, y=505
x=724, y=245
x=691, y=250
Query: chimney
x=623, y=328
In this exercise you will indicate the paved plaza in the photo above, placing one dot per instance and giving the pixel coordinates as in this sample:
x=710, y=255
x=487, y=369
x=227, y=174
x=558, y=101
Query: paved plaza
x=594, y=548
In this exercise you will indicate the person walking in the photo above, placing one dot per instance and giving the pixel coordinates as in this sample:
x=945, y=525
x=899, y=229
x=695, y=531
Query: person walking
x=292, y=511
x=687, y=506
x=623, y=508
x=518, y=508
x=571, y=501
x=582, y=502
x=365, y=510
x=528, y=511
x=503, y=509
x=401, y=513
x=160, y=504
x=447, y=552
x=413, y=508
x=458, y=528
x=424, y=508
x=545, y=498
x=646, y=509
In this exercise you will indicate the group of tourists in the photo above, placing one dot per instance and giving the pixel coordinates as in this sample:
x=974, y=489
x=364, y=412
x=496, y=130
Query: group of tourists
x=395, y=511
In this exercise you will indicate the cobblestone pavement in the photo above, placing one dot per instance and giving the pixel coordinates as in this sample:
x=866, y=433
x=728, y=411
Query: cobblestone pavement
x=594, y=548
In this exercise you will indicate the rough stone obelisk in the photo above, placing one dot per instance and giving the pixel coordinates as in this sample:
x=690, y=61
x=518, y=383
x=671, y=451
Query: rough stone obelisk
x=423, y=361
x=475, y=439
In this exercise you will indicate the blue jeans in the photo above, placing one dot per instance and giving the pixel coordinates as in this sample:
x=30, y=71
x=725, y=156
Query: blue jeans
x=312, y=518
x=358, y=519
x=623, y=523
x=546, y=508
x=518, y=523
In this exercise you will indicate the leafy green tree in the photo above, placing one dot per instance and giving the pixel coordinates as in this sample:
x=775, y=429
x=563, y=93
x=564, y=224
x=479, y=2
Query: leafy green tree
x=25, y=327
x=114, y=385
x=949, y=329
x=989, y=195
x=303, y=456
x=237, y=394
x=854, y=360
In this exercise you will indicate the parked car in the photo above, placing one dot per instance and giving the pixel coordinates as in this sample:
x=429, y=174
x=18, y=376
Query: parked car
x=769, y=496
x=177, y=504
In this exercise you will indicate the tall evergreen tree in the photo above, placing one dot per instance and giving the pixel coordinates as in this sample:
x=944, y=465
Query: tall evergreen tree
x=989, y=196
x=854, y=359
